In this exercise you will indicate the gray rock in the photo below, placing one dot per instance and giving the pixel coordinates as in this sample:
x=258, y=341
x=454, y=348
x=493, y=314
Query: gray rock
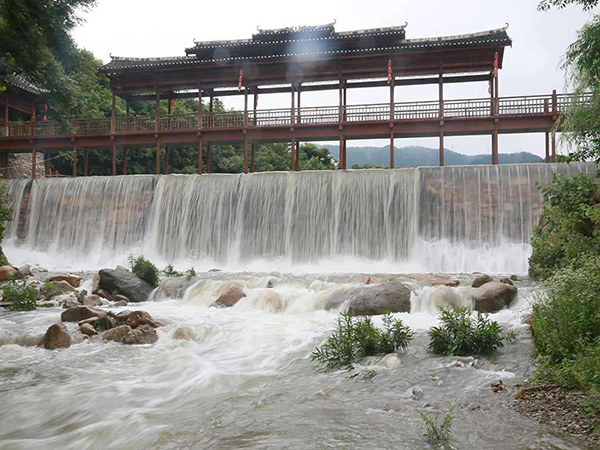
x=507, y=281
x=481, y=280
x=230, y=294
x=144, y=334
x=417, y=393
x=173, y=287
x=493, y=296
x=374, y=299
x=57, y=336
x=125, y=283
x=67, y=300
x=24, y=272
x=61, y=287
x=92, y=300
x=184, y=334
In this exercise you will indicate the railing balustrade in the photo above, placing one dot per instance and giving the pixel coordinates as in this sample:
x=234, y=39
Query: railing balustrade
x=322, y=115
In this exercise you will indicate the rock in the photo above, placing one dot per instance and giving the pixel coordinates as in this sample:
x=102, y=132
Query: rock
x=272, y=301
x=184, y=334
x=104, y=323
x=173, y=287
x=123, y=316
x=92, y=300
x=24, y=272
x=444, y=282
x=7, y=272
x=138, y=318
x=73, y=280
x=102, y=293
x=230, y=294
x=144, y=334
x=95, y=283
x=120, y=303
x=493, y=296
x=120, y=298
x=120, y=267
x=40, y=269
x=507, y=281
x=215, y=270
x=391, y=361
x=373, y=300
x=87, y=329
x=125, y=283
x=47, y=304
x=481, y=280
x=117, y=333
x=67, y=301
x=57, y=336
x=417, y=393
x=61, y=287
x=79, y=313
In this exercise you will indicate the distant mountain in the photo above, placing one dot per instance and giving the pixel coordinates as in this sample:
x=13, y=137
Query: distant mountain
x=417, y=156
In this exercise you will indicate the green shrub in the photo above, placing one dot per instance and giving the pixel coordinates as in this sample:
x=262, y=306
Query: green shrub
x=49, y=290
x=438, y=431
x=358, y=337
x=461, y=334
x=144, y=270
x=170, y=271
x=570, y=226
x=21, y=296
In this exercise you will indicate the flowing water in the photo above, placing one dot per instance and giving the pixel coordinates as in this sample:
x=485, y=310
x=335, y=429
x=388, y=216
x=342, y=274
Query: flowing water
x=247, y=380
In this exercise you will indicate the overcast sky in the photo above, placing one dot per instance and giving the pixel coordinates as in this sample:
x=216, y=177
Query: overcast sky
x=140, y=28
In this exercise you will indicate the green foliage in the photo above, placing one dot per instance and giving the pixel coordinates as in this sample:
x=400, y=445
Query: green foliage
x=437, y=431
x=144, y=270
x=170, y=271
x=461, y=334
x=190, y=274
x=48, y=290
x=5, y=210
x=369, y=166
x=21, y=296
x=358, y=337
x=570, y=228
x=547, y=4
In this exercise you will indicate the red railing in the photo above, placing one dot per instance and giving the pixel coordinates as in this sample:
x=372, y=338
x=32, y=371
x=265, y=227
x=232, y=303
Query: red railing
x=322, y=115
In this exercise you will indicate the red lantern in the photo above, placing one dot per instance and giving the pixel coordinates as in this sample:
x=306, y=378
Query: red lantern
x=390, y=71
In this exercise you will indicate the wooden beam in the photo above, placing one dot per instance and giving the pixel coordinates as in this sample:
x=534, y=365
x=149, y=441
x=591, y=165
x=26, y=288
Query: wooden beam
x=124, y=161
x=200, y=156
x=442, y=146
x=547, y=159
x=495, y=146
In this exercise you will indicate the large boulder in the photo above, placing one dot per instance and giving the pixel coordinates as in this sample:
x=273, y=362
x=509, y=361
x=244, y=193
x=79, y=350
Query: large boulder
x=87, y=329
x=24, y=272
x=493, y=296
x=144, y=334
x=138, y=318
x=173, y=287
x=184, y=334
x=92, y=300
x=125, y=283
x=57, y=336
x=80, y=313
x=229, y=294
x=7, y=272
x=117, y=333
x=59, y=287
x=73, y=280
x=372, y=300
x=481, y=279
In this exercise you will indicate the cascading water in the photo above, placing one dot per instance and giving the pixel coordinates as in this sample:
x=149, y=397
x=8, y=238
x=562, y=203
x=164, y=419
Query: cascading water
x=451, y=219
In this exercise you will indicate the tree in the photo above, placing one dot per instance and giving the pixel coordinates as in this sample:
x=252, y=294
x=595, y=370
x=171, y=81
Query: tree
x=545, y=5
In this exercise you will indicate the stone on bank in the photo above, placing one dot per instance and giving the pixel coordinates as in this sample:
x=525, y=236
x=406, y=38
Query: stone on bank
x=371, y=300
x=125, y=283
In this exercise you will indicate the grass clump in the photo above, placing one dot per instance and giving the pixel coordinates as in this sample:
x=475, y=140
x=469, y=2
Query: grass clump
x=170, y=271
x=565, y=322
x=358, y=337
x=463, y=334
x=437, y=429
x=190, y=274
x=20, y=296
x=144, y=270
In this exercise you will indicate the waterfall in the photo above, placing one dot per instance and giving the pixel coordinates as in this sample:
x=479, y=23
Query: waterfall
x=428, y=219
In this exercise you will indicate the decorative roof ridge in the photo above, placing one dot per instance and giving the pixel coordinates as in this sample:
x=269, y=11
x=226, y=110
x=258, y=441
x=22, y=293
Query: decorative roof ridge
x=152, y=58
x=296, y=29
x=458, y=36
x=21, y=82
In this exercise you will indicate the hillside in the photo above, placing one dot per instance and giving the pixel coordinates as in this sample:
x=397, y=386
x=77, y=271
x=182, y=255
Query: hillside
x=417, y=156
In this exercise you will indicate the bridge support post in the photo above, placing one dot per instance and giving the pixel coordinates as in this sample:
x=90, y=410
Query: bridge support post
x=74, y=161
x=200, y=145
x=85, y=162
x=495, y=145
x=392, y=164
x=167, y=160
x=442, y=145
x=33, y=162
x=553, y=145
x=114, y=158
x=245, y=152
x=124, y=161
x=547, y=159
x=157, y=158
x=293, y=149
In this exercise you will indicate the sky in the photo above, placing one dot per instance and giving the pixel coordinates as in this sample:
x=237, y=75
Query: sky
x=145, y=28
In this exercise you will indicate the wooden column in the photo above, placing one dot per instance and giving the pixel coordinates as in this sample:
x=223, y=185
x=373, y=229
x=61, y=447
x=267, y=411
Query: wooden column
x=495, y=145
x=496, y=103
x=113, y=124
x=392, y=117
x=157, y=158
x=298, y=119
x=553, y=145
x=245, y=129
x=124, y=161
x=294, y=163
x=85, y=162
x=157, y=112
x=254, y=121
x=114, y=159
x=46, y=164
x=33, y=162
x=208, y=146
x=342, y=151
x=199, y=108
x=200, y=145
x=169, y=111
x=441, y=92
x=74, y=160
x=6, y=114
x=547, y=159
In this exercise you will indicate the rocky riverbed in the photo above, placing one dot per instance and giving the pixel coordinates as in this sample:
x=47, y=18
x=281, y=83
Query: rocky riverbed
x=222, y=361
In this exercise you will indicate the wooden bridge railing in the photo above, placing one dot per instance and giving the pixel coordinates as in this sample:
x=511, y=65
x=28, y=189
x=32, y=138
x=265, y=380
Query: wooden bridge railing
x=322, y=115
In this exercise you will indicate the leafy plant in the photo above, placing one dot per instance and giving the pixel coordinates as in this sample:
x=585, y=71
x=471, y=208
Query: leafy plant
x=49, y=290
x=170, y=271
x=462, y=334
x=21, y=296
x=358, y=337
x=437, y=431
x=144, y=270
x=190, y=274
